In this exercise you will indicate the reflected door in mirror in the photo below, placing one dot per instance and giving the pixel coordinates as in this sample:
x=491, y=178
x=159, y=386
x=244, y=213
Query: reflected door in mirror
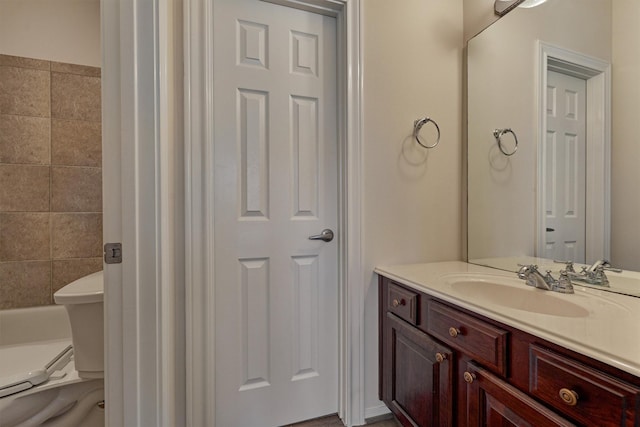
x=563, y=168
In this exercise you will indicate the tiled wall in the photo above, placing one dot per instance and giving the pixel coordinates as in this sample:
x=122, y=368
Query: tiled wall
x=50, y=178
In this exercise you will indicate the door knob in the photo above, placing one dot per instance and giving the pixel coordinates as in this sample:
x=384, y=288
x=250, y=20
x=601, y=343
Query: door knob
x=326, y=236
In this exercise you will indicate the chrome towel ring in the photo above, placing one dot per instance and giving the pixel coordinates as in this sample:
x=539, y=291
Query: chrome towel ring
x=417, y=125
x=499, y=133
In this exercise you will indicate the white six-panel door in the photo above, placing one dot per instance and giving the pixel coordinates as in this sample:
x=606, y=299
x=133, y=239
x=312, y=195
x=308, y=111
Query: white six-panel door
x=564, y=168
x=276, y=181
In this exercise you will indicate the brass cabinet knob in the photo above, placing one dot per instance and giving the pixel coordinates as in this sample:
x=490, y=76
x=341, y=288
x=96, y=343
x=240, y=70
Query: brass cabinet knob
x=569, y=397
x=469, y=377
x=454, y=332
x=396, y=302
x=440, y=357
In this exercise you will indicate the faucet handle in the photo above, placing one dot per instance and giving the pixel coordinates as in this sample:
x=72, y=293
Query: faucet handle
x=527, y=266
x=568, y=264
x=526, y=270
x=600, y=276
x=563, y=284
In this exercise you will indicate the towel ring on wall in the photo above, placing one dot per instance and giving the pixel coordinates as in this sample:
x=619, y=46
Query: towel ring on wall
x=417, y=125
x=499, y=133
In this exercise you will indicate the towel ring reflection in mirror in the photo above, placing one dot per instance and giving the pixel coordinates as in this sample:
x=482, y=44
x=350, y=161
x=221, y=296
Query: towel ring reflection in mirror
x=417, y=125
x=499, y=133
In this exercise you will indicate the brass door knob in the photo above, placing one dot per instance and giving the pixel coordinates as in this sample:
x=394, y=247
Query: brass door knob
x=440, y=357
x=469, y=377
x=569, y=397
x=397, y=302
x=454, y=332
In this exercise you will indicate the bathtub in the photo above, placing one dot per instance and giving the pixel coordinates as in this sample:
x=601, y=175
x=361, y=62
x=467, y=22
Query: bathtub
x=29, y=337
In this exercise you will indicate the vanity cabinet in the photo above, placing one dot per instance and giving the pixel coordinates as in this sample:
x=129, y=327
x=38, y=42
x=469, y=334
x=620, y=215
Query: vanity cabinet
x=442, y=365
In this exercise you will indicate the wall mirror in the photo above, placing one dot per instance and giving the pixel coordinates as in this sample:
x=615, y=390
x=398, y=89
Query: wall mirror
x=562, y=79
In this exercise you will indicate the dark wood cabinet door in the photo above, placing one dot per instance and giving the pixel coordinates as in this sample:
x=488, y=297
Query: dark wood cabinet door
x=417, y=375
x=491, y=402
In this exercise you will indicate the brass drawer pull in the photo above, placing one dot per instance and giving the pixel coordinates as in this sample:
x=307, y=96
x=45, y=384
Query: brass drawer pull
x=397, y=302
x=469, y=377
x=453, y=332
x=569, y=397
x=440, y=357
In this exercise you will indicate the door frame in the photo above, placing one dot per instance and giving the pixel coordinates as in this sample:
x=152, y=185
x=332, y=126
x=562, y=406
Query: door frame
x=597, y=74
x=143, y=177
x=200, y=199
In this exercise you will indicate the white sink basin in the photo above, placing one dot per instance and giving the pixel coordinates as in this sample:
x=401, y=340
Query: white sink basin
x=514, y=294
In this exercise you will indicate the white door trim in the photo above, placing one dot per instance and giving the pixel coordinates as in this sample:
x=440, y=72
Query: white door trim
x=140, y=180
x=199, y=34
x=597, y=73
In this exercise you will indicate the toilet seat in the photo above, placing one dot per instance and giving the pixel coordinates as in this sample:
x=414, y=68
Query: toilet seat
x=25, y=366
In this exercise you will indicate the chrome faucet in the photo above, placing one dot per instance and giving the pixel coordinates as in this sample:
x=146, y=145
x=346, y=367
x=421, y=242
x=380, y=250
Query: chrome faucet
x=600, y=264
x=533, y=277
x=595, y=274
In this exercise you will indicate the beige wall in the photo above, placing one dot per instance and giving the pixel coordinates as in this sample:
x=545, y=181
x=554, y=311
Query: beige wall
x=502, y=93
x=625, y=148
x=412, y=68
x=54, y=30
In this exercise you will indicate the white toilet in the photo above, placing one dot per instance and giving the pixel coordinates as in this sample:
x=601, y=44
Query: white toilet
x=50, y=382
x=83, y=300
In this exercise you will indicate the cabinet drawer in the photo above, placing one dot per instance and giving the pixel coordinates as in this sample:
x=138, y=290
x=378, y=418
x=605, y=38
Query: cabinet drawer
x=581, y=392
x=483, y=342
x=493, y=402
x=403, y=303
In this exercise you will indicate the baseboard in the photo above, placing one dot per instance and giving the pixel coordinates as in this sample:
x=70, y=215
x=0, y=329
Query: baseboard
x=375, y=413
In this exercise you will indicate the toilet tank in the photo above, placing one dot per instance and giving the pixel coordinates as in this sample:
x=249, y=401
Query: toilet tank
x=83, y=300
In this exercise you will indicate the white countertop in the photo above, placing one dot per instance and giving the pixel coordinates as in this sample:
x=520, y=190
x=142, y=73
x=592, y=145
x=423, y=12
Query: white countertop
x=610, y=332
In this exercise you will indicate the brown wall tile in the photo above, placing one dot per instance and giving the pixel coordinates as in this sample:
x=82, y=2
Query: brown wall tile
x=76, y=235
x=67, y=270
x=24, y=188
x=24, y=139
x=31, y=93
x=76, y=189
x=82, y=70
x=24, y=91
x=76, y=143
x=19, y=61
x=25, y=236
x=75, y=97
x=25, y=284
